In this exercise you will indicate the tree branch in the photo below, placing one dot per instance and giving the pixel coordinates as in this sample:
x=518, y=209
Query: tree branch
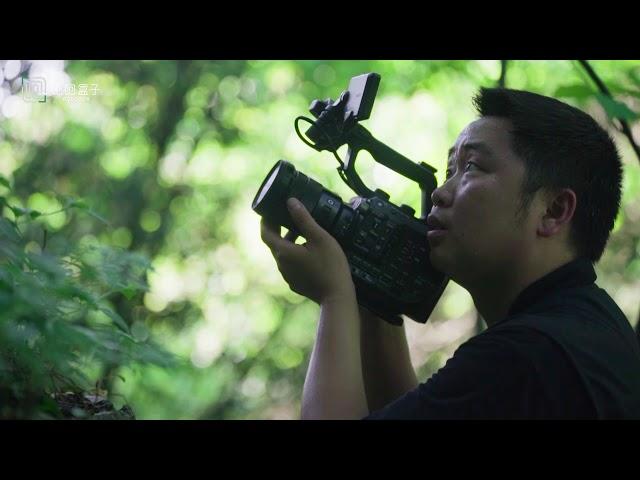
x=503, y=74
x=605, y=91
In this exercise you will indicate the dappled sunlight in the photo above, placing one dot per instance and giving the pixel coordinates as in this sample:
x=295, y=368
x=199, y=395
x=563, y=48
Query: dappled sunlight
x=208, y=347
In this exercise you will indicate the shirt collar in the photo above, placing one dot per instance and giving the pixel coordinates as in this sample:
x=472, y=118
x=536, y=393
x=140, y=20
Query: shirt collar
x=576, y=273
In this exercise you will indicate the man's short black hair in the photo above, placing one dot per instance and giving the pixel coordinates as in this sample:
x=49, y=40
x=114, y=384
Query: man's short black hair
x=562, y=147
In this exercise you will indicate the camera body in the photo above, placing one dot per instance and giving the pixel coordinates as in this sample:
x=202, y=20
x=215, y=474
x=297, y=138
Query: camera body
x=389, y=258
x=385, y=244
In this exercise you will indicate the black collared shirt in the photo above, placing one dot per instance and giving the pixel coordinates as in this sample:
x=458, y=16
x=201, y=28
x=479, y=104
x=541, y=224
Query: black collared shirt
x=565, y=350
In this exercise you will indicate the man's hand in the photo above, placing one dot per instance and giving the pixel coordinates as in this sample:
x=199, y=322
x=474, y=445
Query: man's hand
x=318, y=269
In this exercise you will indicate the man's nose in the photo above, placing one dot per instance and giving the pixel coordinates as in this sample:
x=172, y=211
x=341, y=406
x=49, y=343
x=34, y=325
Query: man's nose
x=441, y=197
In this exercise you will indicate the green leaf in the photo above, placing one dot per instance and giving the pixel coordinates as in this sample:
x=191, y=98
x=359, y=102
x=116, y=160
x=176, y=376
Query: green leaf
x=8, y=231
x=616, y=109
x=81, y=204
x=48, y=264
x=616, y=90
x=634, y=76
x=95, y=215
x=633, y=93
x=34, y=214
x=117, y=319
x=129, y=292
x=139, y=331
x=49, y=405
x=18, y=211
x=5, y=182
x=574, y=91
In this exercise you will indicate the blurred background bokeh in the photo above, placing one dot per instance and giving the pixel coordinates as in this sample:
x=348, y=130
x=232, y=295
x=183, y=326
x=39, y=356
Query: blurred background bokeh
x=168, y=156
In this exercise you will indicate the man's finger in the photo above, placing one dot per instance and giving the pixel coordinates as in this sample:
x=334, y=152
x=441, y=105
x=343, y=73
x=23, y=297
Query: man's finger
x=308, y=227
x=291, y=236
x=270, y=234
x=279, y=246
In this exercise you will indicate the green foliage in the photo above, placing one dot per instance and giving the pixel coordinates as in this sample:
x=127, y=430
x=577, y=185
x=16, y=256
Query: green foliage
x=52, y=309
x=616, y=109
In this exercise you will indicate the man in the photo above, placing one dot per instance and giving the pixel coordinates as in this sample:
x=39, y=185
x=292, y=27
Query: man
x=532, y=192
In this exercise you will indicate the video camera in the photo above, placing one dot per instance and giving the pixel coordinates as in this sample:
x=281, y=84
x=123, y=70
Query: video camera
x=385, y=244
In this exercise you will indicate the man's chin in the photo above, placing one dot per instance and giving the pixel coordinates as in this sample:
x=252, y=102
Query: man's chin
x=439, y=263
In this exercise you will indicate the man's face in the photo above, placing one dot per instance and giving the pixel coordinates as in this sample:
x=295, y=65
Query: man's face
x=477, y=206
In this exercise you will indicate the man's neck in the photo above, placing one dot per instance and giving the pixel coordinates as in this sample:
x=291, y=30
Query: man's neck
x=494, y=296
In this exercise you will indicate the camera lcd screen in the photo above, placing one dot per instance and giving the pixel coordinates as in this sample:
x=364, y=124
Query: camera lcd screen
x=362, y=93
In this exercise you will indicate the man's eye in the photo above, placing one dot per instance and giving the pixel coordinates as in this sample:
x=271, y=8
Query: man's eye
x=468, y=166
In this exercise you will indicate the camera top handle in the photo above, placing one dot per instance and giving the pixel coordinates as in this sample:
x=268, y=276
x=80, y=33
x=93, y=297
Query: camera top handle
x=360, y=138
x=331, y=130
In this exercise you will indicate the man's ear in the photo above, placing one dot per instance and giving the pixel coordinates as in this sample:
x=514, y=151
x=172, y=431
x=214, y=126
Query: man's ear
x=561, y=206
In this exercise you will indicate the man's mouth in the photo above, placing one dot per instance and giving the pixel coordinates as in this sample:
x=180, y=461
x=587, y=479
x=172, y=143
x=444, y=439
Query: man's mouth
x=435, y=223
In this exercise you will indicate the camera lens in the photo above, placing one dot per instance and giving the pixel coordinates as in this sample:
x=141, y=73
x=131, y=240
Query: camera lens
x=283, y=182
x=267, y=185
